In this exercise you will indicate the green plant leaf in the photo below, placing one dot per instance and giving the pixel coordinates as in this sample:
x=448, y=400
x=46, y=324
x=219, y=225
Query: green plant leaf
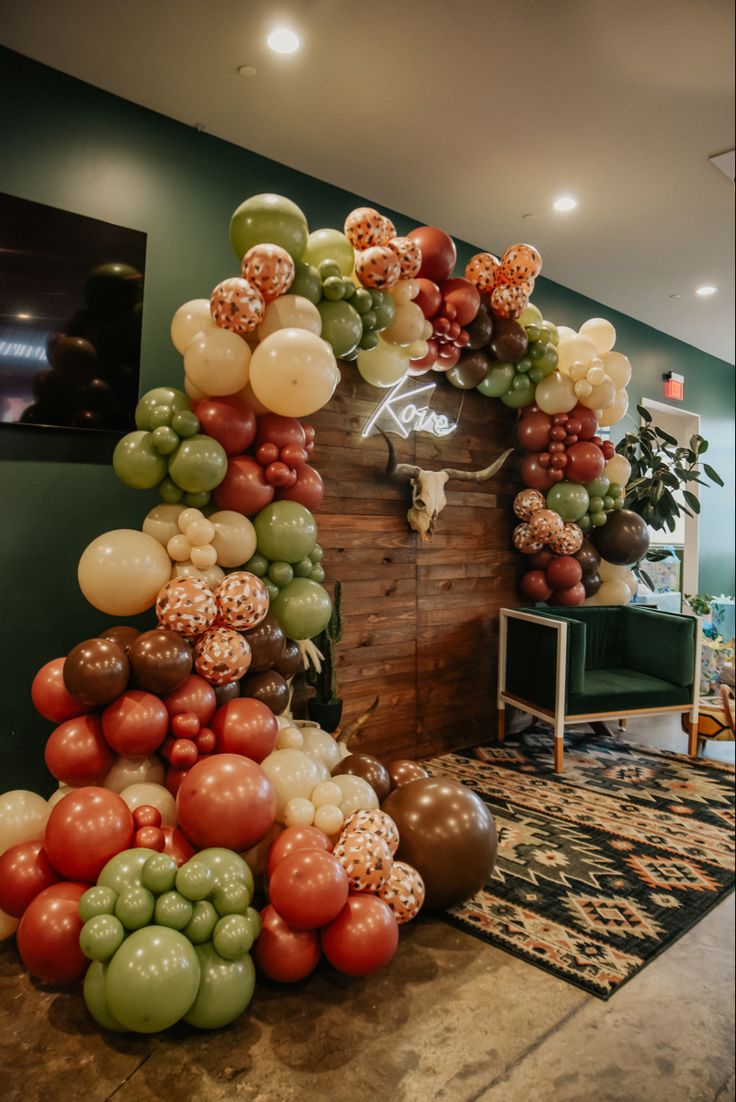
x=666, y=436
x=645, y=578
x=691, y=500
x=713, y=475
x=644, y=414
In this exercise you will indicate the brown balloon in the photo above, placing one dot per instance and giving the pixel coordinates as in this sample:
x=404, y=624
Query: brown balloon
x=266, y=642
x=122, y=634
x=225, y=693
x=589, y=558
x=480, y=329
x=623, y=539
x=403, y=771
x=160, y=660
x=269, y=687
x=96, y=672
x=367, y=767
x=290, y=661
x=509, y=341
x=471, y=369
x=591, y=584
x=447, y=834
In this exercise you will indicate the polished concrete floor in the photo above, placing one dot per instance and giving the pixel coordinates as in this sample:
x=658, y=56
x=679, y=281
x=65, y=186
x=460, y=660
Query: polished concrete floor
x=451, y=1019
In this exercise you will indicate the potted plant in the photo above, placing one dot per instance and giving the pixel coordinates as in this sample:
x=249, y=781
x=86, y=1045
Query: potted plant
x=325, y=707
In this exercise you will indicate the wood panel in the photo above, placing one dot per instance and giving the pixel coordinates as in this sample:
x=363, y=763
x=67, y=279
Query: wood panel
x=420, y=620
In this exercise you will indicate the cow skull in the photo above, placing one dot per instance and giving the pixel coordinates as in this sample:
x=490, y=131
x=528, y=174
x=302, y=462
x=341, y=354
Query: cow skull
x=428, y=487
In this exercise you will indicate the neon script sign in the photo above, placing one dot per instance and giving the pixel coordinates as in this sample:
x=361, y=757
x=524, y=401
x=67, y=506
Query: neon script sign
x=405, y=409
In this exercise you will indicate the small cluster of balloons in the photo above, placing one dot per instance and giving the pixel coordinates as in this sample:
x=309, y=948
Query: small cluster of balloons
x=508, y=281
x=589, y=373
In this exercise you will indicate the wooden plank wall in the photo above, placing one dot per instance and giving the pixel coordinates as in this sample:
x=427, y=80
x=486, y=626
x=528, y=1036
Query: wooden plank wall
x=420, y=620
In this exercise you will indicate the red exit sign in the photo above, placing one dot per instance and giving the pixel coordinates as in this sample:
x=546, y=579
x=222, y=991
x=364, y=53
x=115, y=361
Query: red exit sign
x=674, y=386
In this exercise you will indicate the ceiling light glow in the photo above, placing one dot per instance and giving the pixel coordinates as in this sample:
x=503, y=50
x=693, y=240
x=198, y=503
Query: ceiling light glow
x=565, y=202
x=706, y=291
x=283, y=41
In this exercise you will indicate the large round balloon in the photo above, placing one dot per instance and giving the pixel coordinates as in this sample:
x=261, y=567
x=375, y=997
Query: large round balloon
x=85, y=829
x=228, y=421
x=283, y=953
x=245, y=726
x=25, y=871
x=438, y=252
x=48, y=934
x=225, y=989
x=329, y=244
x=303, y=608
x=271, y=219
x=153, y=979
x=244, y=488
x=369, y=768
x=285, y=531
x=76, y=752
x=623, y=539
x=226, y=800
x=96, y=672
x=363, y=937
x=50, y=696
x=308, y=888
x=198, y=464
x=121, y=572
x=448, y=834
x=293, y=372
x=137, y=463
x=160, y=661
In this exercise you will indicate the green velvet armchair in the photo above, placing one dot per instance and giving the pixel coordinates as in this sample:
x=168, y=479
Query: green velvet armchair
x=596, y=662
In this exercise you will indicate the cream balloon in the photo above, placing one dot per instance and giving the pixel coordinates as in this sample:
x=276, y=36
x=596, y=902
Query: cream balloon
x=356, y=794
x=601, y=396
x=294, y=372
x=23, y=816
x=234, y=539
x=563, y=331
x=578, y=370
x=407, y=325
x=574, y=348
x=135, y=795
x=217, y=361
x=289, y=738
x=610, y=572
x=601, y=332
x=203, y=558
x=257, y=858
x=326, y=792
x=596, y=374
x=616, y=411
x=290, y=312
x=213, y=575
x=161, y=522
x=190, y=319
x=193, y=391
x=404, y=291
x=583, y=388
x=614, y=593
x=618, y=368
x=329, y=819
x=418, y=349
x=8, y=925
x=321, y=745
x=556, y=393
x=143, y=769
x=292, y=773
x=632, y=582
x=299, y=812
x=618, y=470
x=62, y=791
x=121, y=572
x=248, y=398
x=178, y=548
x=200, y=532
x=384, y=365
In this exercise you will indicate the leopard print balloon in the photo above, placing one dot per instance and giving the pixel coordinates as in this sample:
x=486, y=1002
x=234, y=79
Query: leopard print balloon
x=366, y=859
x=374, y=822
x=569, y=541
x=482, y=270
x=237, y=305
x=365, y=227
x=378, y=267
x=242, y=600
x=270, y=269
x=221, y=655
x=409, y=255
x=186, y=606
x=524, y=541
x=546, y=525
x=389, y=231
x=520, y=263
x=527, y=502
x=509, y=301
x=403, y=891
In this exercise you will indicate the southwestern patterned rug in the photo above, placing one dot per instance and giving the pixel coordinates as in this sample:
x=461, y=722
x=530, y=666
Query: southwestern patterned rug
x=602, y=867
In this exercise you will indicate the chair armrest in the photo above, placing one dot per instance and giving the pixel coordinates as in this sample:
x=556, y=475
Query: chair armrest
x=661, y=644
x=531, y=656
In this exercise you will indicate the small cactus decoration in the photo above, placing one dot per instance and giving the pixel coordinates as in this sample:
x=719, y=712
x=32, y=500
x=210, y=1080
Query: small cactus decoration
x=324, y=678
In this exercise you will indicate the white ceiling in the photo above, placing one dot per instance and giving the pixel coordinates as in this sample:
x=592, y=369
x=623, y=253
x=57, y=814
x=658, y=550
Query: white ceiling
x=467, y=114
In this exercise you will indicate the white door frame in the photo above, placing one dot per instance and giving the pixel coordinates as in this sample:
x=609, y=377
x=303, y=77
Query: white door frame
x=691, y=554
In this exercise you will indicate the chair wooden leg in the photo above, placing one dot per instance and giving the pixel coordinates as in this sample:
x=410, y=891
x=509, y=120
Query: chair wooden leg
x=500, y=724
x=622, y=724
x=693, y=741
x=559, y=753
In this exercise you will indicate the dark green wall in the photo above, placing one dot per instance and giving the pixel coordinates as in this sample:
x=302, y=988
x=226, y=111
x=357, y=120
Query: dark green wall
x=72, y=146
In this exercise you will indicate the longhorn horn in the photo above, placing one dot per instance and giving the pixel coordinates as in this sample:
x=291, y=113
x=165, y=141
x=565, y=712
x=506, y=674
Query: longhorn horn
x=478, y=476
x=394, y=469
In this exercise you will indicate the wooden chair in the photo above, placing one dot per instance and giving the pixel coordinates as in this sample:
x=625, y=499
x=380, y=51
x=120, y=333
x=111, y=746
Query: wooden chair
x=597, y=662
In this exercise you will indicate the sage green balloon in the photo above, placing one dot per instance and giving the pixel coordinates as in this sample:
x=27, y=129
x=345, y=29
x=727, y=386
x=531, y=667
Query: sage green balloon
x=164, y=440
x=95, y=998
x=570, y=500
x=384, y=308
x=285, y=531
x=97, y=901
x=159, y=396
x=255, y=921
x=227, y=865
x=520, y=394
x=124, y=870
x=136, y=461
x=599, y=487
x=134, y=907
x=185, y=423
x=258, y=565
x=225, y=989
x=307, y=282
x=202, y=923
x=194, y=880
x=198, y=464
x=341, y=326
x=329, y=244
x=302, y=609
x=233, y=936
x=303, y=569
x=173, y=910
x=269, y=218
x=153, y=979
x=101, y=937
x=159, y=873
x=281, y=573
x=497, y=381
x=231, y=898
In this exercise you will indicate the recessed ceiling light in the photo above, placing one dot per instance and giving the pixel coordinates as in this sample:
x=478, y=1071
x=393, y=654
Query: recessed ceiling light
x=565, y=202
x=246, y=71
x=706, y=291
x=284, y=41
x=24, y=317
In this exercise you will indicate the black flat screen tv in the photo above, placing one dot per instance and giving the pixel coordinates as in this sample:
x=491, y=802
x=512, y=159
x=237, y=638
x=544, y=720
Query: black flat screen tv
x=71, y=308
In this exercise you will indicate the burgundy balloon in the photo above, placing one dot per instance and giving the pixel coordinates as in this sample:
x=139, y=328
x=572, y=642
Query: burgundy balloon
x=535, y=587
x=96, y=671
x=228, y=421
x=403, y=771
x=438, y=252
x=194, y=695
x=429, y=298
x=464, y=296
x=244, y=488
x=160, y=661
x=534, y=476
x=369, y=768
x=269, y=687
x=532, y=431
x=308, y=490
x=587, y=419
x=585, y=462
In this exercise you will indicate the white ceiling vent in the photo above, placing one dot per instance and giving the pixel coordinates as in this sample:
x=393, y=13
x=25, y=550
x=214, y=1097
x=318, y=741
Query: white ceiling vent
x=724, y=162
